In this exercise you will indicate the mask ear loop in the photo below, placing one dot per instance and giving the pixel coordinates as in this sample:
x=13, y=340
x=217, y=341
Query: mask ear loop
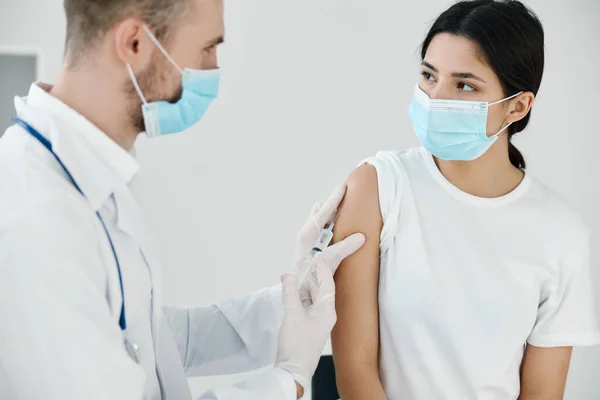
x=502, y=130
x=162, y=49
x=505, y=99
x=135, y=84
x=500, y=101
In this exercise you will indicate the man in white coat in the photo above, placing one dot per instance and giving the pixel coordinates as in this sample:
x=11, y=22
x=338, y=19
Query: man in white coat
x=81, y=315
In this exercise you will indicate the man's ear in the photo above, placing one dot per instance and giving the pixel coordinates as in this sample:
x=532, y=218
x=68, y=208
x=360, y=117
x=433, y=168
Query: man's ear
x=132, y=44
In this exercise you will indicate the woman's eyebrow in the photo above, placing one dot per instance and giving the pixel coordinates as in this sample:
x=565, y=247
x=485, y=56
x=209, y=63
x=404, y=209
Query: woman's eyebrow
x=462, y=75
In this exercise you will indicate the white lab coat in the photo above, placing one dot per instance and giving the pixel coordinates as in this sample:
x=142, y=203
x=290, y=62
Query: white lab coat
x=59, y=292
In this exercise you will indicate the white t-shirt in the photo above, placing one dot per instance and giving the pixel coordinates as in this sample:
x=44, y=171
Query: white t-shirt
x=465, y=282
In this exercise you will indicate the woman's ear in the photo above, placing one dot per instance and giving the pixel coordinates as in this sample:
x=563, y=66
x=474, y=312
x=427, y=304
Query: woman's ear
x=519, y=107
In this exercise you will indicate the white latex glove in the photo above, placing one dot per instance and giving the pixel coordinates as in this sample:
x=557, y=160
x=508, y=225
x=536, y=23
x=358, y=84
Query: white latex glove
x=304, y=332
x=310, y=311
x=332, y=256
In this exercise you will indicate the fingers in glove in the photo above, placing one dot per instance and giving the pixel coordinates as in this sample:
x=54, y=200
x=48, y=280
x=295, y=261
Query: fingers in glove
x=317, y=220
x=329, y=208
x=291, y=297
x=310, y=287
x=332, y=256
x=323, y=287
x=315, y=208
x=305, y=296
x=323, y=307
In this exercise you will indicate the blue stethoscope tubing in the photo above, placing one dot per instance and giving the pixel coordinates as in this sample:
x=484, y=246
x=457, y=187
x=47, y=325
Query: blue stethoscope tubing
x=130, y=346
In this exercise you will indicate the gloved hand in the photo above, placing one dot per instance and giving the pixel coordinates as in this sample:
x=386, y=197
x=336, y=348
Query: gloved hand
x=310, y=310
x=304, y=332
x=332, y=256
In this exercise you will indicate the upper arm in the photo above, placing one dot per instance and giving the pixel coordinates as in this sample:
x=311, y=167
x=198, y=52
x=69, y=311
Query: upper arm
x=56, y=323
x=566, y=317
x=544, y=372
x=355, y=338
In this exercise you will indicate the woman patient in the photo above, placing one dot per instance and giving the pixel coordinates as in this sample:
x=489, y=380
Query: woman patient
x=474, y=282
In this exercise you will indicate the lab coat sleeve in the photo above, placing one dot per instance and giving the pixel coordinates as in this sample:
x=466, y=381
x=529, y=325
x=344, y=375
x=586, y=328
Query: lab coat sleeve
x=234, y=336
x=58, y=338
x=273, y=384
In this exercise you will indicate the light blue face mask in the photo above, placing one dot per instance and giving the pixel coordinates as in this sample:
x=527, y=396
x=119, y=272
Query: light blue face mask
x=452, y=129
x=199, y=89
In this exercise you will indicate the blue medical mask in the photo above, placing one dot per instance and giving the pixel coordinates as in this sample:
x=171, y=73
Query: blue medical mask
x=199, y=89
x=452, y=129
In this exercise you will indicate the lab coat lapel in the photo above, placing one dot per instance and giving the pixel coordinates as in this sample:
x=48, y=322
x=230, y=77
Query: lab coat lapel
x=170, y=370
x=171, y=375
x=130, y=221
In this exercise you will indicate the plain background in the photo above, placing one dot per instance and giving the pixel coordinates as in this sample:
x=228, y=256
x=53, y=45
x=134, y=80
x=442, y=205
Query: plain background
x=309, y=89
x=16, y=73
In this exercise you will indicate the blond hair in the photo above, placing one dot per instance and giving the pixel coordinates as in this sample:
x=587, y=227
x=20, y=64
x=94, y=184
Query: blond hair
x=89, y=20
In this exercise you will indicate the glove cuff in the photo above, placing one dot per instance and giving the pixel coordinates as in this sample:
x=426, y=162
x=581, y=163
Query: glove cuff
x=300, y=375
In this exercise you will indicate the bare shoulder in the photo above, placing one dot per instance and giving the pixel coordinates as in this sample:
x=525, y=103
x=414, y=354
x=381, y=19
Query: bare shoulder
x=363, y=181
x=360, y=209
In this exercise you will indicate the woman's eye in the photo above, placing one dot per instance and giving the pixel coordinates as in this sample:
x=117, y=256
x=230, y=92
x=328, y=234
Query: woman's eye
x=466, y=87
x=428, y=76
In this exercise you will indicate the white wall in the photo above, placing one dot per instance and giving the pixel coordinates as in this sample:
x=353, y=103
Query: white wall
x=309, y=89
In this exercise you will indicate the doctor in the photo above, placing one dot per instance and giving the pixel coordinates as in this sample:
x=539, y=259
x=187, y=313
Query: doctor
x=81, y=315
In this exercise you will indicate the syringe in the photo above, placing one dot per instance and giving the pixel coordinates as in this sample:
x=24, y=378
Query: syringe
x=321, y=243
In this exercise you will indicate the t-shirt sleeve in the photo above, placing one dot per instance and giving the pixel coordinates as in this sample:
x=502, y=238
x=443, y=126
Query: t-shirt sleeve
x=567, y=314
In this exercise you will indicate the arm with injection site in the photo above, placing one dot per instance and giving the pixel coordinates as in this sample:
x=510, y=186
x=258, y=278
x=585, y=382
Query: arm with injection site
x=212, y=339
x=322, y=242
x=355, y=338
x=217, y=338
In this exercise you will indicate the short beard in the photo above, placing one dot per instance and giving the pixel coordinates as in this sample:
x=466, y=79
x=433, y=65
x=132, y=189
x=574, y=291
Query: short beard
x=149, y=81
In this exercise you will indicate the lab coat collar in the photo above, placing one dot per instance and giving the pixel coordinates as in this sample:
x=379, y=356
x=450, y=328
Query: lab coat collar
x=98, y=164
x=100, y=167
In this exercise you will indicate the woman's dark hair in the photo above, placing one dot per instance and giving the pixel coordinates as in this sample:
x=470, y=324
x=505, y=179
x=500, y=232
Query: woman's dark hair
x=511, y=39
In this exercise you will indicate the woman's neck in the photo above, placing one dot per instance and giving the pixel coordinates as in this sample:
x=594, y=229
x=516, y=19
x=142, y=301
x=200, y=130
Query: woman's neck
x=489, y=176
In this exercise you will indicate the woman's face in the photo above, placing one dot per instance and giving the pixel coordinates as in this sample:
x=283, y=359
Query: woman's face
x=454, y=69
